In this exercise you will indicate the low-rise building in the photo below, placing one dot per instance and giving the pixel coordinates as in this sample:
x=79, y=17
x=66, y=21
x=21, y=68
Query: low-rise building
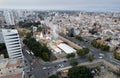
x=67, y=49
x=11, y=68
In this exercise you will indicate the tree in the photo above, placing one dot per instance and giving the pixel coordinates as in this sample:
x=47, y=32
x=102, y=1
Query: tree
x=80, y=72
x=92, y=31
x=78, y=37
x=28, y=23
x=108, y=39
x=90, y=57
x=29, y=35
x=71, y=55
x=100, y=46
x=82, y=52
x=45, y=56
x=53, y=76
x=116, y=55
x=39, y=49
x=74, y=63
x=3, y=50
x=2, y=46
x=71, y=32
x=86, y=50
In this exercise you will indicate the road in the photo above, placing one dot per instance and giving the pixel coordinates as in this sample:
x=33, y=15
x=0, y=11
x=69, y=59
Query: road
x=35, y=66
x=96, y=52
x=40, y=70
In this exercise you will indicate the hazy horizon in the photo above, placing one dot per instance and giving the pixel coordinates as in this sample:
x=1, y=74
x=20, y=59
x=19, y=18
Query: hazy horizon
x=93, y=5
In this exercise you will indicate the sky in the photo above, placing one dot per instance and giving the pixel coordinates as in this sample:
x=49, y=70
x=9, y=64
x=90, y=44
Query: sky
x=89, y=5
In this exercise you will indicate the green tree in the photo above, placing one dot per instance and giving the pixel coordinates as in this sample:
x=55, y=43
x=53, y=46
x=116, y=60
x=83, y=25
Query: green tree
x=29, y=35
x=39, y=49
x=71, y=55
x=74, y=63
x=103, y=47
x=45, y=56
x=82, y=52
x=53, y=76
x=78, y=37
x=86, y=50
x=116, y=55
x=3, y=50
x=90, y=57
x=108, y=39
x=80, y=72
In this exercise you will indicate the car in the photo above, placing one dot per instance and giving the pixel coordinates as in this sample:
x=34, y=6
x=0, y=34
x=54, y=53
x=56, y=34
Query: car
x=44, y=68
x=101, y=54
x=32, y=53
x=32, y=63
x=65, y=61
x=49, y=67
x=61, y=65
x=100, y=57
x=55, y=66
x=27, y=51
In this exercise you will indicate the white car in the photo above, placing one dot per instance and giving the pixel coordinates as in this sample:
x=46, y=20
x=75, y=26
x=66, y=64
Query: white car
x=101, y=54
x=61, y=65
x=49, y=67
x=100, y=57
x=44, y=68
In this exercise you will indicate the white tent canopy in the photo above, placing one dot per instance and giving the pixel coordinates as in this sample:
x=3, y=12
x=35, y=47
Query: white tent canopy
x=67, y=49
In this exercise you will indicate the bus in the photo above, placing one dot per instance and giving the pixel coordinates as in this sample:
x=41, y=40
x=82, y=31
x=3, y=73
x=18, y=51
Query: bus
x=27, y=51
x=32, y=53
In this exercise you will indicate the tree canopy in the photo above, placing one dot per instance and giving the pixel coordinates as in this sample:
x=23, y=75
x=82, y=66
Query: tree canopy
x=90, y=57
x=78, y=37
x=82, y=52
x=80, y=72
x=103, y=47
x=3, y=50
x=53, y=76
x=71, y=55
x=26, y=24
x=39, y=49
x=73, y=63
x=116, y=55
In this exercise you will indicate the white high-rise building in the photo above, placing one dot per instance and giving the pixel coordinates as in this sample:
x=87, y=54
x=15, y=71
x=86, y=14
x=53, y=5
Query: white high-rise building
x=9, y=17
x=12, y=42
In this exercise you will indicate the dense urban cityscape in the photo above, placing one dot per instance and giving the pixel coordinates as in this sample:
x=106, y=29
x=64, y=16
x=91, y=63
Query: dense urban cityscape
x=59, y=43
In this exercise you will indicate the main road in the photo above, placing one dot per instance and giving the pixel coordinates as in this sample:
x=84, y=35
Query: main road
x=43, y=70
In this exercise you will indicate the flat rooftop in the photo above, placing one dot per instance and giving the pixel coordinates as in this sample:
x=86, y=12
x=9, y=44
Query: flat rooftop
x=66, y=48
x=18, y=75
x=6, y=63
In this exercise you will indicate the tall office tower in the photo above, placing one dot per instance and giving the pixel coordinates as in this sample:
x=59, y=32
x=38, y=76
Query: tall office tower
x=9, y=17
x=12, y=42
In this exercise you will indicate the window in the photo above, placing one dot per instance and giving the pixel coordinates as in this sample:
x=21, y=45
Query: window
x=16, y=49
x=14, y=43
x=12, y=35
x=13, y=38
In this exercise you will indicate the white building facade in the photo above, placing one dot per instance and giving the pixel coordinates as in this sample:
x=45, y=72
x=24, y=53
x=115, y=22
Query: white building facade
x=12, y=42
x=9, y=17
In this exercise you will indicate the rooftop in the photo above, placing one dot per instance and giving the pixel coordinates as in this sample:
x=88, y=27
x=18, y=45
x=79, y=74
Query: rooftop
x=66, y=48
x=18, y=75
x=6, y=63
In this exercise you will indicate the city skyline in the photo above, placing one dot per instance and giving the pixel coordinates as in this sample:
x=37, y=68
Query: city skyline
x=94, y=5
